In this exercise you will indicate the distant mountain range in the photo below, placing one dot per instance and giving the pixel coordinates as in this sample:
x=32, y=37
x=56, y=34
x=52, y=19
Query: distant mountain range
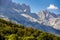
x=20, y=13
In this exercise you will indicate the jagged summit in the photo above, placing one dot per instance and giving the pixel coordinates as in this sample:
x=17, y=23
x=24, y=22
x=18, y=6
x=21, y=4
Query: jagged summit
x=45, y=14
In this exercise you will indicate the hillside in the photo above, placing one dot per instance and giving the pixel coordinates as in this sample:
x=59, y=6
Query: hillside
x=12, y=31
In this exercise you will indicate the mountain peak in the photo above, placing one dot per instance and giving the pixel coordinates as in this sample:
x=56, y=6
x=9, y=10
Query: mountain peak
x=47, y=14
x=44, y=14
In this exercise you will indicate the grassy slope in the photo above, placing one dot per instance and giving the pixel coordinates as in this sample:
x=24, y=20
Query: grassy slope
x=11, y=31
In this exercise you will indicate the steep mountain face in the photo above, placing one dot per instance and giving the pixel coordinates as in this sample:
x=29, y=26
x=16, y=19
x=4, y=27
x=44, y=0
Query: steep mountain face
x=20, y=13
x=50, y=19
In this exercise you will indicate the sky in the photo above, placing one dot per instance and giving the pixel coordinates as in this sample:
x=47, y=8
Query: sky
x=37, y=5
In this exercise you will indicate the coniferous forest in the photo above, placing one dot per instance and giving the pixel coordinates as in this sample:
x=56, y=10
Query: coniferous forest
x=12, y=31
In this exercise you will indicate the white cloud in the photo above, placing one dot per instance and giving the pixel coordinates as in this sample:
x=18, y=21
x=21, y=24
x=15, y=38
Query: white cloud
x=52, y=6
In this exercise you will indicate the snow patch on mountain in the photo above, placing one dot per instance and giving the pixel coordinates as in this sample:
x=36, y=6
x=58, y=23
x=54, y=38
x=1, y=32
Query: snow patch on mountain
x=29, y=17
x=17, y=10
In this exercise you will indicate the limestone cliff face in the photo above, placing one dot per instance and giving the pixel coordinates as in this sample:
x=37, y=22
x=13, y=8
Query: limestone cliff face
x=48, y=18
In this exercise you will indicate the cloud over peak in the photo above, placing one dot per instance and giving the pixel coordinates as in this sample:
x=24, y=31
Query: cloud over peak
x=52, y=6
